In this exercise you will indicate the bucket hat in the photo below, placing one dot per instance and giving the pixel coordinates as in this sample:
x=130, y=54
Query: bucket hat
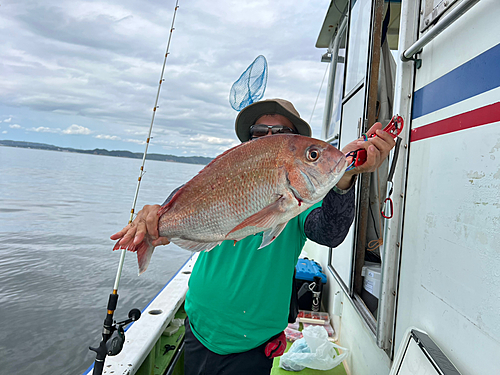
x=251, y=113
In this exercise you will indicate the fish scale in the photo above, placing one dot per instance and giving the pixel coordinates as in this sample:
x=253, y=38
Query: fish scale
x=256, y=186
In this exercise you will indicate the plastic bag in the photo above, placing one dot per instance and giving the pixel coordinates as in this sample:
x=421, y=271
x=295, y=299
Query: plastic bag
x=328, y=328
x=313, y=351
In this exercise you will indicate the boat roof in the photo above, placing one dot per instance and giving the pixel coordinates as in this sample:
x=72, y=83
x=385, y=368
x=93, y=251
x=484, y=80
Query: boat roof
x=334, y=16
x=331, y=22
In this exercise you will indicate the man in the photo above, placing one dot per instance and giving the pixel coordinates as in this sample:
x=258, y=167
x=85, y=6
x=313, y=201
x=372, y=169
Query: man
x=239, y=297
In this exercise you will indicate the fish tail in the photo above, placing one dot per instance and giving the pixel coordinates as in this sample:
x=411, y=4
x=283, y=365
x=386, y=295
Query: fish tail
x=144, y=251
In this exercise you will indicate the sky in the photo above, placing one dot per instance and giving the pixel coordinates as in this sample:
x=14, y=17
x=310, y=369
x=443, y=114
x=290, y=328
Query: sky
x=84, y=74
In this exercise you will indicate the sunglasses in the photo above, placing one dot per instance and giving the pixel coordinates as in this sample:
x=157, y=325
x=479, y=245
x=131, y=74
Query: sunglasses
x=260, y=130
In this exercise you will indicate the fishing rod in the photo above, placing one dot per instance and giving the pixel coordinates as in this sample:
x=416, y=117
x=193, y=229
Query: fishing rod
x=113, y=334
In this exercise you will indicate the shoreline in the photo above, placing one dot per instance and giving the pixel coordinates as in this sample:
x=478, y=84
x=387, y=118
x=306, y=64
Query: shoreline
x=201, y=160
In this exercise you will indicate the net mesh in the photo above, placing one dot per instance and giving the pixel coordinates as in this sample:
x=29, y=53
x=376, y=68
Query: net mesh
x=250, y=86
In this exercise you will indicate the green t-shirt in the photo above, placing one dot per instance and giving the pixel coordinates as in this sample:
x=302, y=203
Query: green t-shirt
x=239, y=296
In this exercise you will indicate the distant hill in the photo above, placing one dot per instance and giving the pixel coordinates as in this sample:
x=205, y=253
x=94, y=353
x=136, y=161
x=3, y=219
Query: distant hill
x=119, y=153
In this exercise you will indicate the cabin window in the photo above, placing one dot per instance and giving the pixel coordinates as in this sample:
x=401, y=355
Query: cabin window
x=337, y=94
x=359, y=32
x=338, y=89
x=359, y=271
x=348, y=110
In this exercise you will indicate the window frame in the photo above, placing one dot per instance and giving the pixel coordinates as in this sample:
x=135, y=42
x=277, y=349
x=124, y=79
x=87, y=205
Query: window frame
x=352, y=286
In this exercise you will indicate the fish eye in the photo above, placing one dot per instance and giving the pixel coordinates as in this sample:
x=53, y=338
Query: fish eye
x=312, y=154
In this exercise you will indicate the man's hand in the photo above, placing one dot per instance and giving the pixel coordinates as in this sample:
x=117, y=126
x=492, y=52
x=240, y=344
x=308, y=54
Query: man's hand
x=377, y=149
x=146, y=222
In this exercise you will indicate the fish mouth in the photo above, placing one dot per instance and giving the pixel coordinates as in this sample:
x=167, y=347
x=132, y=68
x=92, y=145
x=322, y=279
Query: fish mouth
x=312, y=182
x=343, y=167
x=338, y=170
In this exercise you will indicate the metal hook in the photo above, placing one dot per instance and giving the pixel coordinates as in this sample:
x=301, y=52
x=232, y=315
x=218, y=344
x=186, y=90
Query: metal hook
x=391, y=206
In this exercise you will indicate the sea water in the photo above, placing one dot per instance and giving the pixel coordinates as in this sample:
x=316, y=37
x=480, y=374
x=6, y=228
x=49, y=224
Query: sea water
x=57, y=267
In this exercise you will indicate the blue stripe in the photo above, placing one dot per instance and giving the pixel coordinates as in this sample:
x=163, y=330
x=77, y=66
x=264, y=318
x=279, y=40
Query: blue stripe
x=476, y=76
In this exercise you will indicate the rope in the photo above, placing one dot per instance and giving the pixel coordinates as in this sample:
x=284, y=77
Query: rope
x=375, y=244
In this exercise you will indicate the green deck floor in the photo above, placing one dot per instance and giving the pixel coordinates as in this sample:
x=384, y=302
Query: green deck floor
x=158, y=360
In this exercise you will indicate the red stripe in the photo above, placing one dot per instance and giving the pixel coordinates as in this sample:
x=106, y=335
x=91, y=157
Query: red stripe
x=477, y=117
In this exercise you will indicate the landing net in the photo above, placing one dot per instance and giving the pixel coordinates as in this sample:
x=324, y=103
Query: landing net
x=250, y=86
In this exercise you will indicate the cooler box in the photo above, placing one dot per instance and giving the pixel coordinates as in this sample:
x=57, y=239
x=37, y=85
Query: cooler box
x=371, y=273
x=309, y=272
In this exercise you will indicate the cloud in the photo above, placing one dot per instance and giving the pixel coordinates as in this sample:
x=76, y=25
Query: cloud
x=15, y=126
x=108, y=137
x=77, y=129
x=138, y=141
x=44, y=129
x=7, y=120
x=99, y=63
x=73, y=129
x=4, y=132
x=214, y=140
x=143, y=132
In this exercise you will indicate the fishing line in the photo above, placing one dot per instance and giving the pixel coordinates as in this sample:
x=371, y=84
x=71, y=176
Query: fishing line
x=132, y=211
x=114, y=331
x=319, y=92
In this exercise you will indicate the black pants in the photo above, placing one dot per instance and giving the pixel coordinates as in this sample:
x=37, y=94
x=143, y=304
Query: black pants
x=198, y=360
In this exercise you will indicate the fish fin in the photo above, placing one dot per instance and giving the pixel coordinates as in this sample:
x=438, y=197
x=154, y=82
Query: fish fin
x=271, y=234
x=193, y=245
x=166, y=207
x=144, y=252
x=265, y=218
x=171, y=198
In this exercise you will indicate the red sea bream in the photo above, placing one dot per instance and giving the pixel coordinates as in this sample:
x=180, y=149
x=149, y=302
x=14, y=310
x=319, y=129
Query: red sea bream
x=256, y=186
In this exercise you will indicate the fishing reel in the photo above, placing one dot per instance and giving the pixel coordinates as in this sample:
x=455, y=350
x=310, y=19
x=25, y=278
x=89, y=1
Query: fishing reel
x=114, y=344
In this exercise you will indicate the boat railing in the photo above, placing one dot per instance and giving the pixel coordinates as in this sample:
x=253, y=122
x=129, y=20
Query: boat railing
x=440, y=26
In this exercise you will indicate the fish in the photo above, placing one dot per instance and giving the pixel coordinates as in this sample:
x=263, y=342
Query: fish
x=257, y=186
